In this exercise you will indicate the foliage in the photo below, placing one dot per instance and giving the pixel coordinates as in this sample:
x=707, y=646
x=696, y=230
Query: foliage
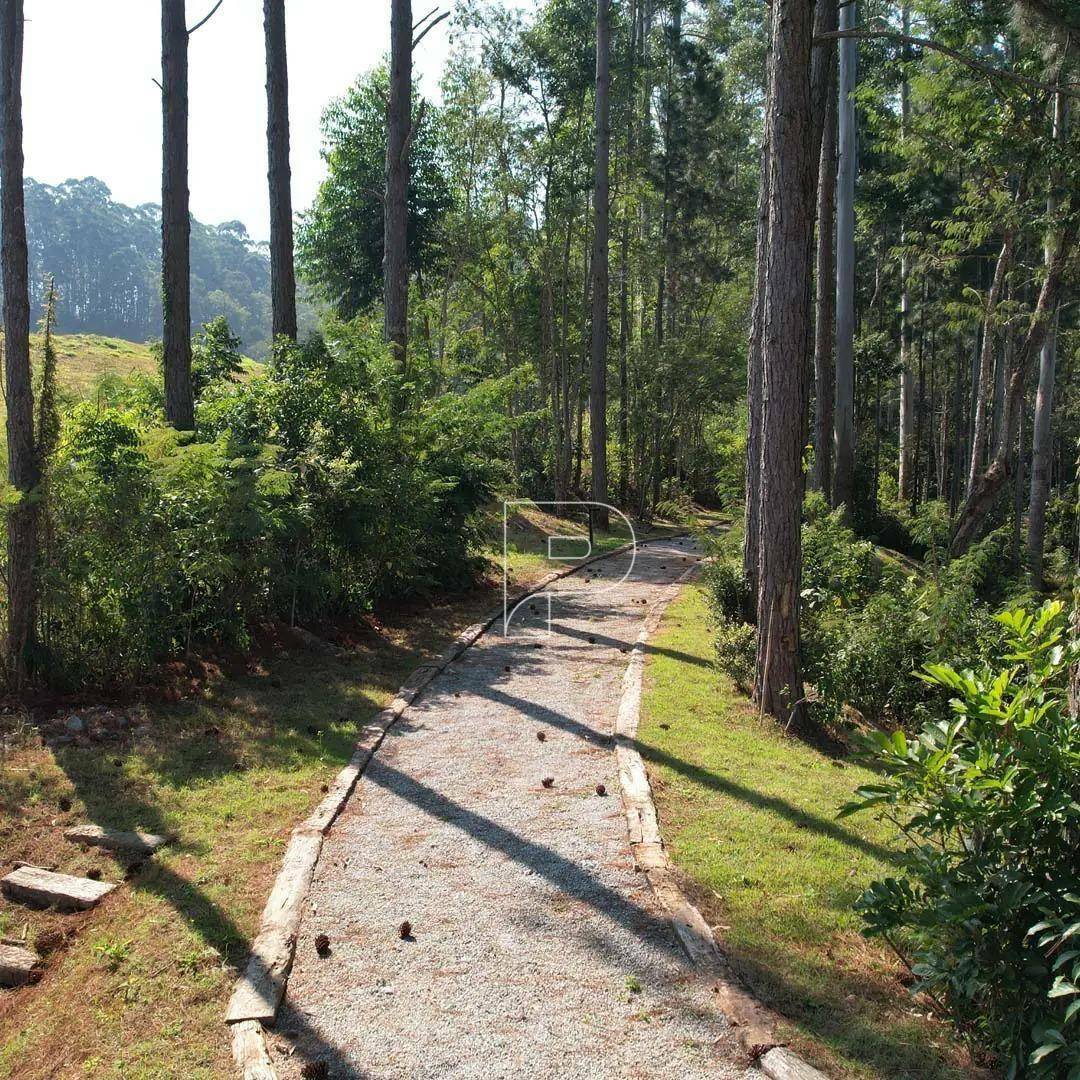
x=215, y=355
x=988, y=800
x=340, y=239
x=296, y=498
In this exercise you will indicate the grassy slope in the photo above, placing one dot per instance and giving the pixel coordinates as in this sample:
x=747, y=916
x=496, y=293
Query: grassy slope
x=142, y=983
x=750, y=817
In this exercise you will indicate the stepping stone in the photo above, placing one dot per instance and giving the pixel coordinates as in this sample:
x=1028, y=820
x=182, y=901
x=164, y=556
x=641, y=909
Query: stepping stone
x=32, y=885
x=18, y=966
x=128, y=843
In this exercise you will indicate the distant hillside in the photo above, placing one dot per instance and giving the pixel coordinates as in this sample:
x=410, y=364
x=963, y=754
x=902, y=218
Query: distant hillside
x=106, y=260
x=82, y=359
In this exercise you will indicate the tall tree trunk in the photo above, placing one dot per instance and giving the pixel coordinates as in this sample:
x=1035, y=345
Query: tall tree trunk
x=598, y=366
x=983, y=493
x=754, y=372
x=395, y=205
x=907, y=381
x=984, y=380
x=175, y=218
x=1042, y=440
x=785, y=342
x=24, y=471
x=844, y=414
x=279, y=175
x=825, y=304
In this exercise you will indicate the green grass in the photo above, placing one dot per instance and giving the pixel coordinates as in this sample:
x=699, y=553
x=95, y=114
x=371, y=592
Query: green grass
x=141, y=983
x=750, y=818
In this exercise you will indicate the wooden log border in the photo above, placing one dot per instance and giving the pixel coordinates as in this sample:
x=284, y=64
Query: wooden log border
x=755, y=1024
x=258, y=993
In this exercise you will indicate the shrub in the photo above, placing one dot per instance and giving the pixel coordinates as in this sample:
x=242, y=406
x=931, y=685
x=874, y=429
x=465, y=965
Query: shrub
x=299, y=495
x=987, y=797
x=736, y=651
x=726, y=589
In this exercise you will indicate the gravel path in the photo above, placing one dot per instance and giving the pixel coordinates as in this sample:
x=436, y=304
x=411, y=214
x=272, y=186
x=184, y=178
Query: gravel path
x=537, y=951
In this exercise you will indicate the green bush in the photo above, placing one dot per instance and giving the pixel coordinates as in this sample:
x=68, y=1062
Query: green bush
x=868, y=627
x=300, y=495
x=988, y=799
x=736, y=651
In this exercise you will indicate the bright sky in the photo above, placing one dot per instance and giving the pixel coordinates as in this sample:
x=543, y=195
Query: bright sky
x=90, y=108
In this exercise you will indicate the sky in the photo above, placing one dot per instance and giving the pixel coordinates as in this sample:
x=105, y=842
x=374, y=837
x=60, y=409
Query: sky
x=90, y=107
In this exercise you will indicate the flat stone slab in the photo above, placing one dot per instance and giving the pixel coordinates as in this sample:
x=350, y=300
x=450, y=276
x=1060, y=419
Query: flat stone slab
x=18, y=966
x=32, y=885
x=128, y=843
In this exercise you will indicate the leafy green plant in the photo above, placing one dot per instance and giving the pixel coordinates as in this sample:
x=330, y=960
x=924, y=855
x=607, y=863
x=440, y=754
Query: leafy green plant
x=988, y=798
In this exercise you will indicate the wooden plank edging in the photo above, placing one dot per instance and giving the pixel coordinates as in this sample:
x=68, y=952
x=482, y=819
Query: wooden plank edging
x=756, y=1025
x=259, y=991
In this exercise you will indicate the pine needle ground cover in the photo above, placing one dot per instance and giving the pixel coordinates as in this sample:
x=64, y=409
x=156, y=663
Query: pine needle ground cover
x=750, y=818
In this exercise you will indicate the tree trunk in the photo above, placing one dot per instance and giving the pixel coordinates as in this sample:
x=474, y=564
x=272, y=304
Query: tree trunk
x=983, y=493
x=23, y=466
x=784, y=345
x=825, y=305
x=754, y=376
x=598, y=366
x=282, y=275
x=983, y=387
x=844, y=415
x=395, y=206
x=1042, y=441
x=907, y=382
x=175, y=218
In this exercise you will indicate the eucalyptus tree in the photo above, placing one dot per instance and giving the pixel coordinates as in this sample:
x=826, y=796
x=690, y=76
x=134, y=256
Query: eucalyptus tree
x=24, y=467
x=175, y=220
x=395, y=204
x=176, y=212
x=279, y=174
x=844, y=410
x=600, y=278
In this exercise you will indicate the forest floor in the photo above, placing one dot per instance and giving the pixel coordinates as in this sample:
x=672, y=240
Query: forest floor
x=749, y=816
x=137, y=988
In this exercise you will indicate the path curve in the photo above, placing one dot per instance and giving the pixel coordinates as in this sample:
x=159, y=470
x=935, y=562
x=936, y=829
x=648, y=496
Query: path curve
x=537, y=949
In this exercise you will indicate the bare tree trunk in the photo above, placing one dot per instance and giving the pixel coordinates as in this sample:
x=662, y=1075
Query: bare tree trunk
x=785, y=341
x=844, y=415
x=279, y=175
x=24, y=470
x=825, y=304
x=983, y=387
x=754, y=375
x=1042, y=441
x=175, y=219
x=983, y=493
x=598, y=366
x=907, y=382
x=395, y=204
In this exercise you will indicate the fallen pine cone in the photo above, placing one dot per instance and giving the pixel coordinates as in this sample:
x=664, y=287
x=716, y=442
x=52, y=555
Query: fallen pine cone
x=540, y=736
x=322, y=945
x=315, y=1070
x=600, y=789
x=94, y=874
x=548, y=781
x=405, y=931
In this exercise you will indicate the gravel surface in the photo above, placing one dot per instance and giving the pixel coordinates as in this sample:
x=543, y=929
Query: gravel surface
x=535, y=949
